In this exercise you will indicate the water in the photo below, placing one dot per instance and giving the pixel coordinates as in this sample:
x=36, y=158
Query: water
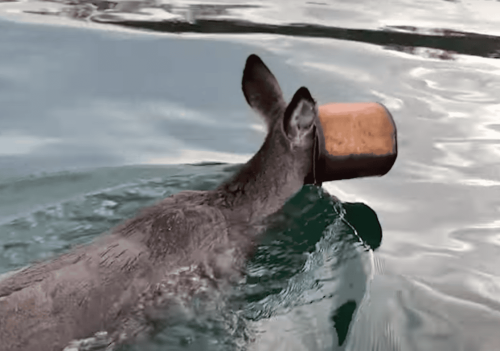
x=97, y=105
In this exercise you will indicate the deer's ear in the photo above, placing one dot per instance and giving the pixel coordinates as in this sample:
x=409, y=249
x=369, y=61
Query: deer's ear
x=261, y=89
x=299, y=118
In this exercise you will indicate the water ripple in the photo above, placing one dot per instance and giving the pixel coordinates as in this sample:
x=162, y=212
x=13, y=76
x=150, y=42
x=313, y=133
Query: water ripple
x=301, y=20
x=52, y=228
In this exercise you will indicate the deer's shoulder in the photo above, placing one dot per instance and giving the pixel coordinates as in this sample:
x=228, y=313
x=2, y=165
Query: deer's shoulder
x=182, y=223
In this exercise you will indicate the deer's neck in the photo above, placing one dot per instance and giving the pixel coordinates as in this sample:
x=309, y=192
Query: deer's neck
x=263, y=185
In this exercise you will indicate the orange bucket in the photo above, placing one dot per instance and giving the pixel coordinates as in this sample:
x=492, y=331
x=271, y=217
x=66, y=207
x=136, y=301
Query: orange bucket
x=357, y=140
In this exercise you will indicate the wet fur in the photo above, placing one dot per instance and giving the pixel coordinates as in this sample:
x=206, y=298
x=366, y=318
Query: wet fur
x=121, y=281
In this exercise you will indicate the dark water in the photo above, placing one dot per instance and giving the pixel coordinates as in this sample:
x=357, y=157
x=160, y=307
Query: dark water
x=98, y=100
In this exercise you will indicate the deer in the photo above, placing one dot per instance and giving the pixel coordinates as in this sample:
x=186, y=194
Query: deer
x=119, y=283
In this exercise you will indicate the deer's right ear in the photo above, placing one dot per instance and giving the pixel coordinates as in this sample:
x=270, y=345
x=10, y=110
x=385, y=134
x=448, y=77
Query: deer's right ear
x=300, y=117
x=261, y=89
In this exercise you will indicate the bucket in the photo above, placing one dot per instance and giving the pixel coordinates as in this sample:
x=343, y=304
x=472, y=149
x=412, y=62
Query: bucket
x=355, y=140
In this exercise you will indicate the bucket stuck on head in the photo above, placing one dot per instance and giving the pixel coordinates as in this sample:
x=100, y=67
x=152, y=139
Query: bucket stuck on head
x=357, y=140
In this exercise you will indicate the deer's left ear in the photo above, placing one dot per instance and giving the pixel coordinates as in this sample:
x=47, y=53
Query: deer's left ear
x=299, y=118
x=261, y=90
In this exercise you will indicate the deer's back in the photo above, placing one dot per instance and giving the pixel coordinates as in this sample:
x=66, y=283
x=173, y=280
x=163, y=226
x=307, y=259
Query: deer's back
x=96, y=287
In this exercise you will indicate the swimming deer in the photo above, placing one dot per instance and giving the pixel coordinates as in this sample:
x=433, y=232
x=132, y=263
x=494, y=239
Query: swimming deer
x=122, y=281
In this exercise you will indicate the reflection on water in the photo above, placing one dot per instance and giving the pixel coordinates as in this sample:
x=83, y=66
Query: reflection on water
x=444, y=46
x=314, y=273
x=227, y=18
